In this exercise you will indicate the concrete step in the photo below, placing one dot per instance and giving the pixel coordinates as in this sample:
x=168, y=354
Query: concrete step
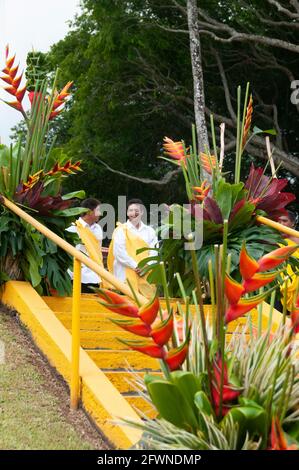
x=122, y=359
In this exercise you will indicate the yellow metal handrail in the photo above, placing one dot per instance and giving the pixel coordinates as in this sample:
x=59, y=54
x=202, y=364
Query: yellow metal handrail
x=281, y=228
x=79, y=258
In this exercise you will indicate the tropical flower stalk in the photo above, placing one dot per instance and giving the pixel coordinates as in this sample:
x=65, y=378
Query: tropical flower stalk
x=145, y=324
x=32, y=175
x=249, y=400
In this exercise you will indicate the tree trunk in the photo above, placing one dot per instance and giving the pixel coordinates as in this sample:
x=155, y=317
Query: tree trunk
x=10, y=265
x=198, y=83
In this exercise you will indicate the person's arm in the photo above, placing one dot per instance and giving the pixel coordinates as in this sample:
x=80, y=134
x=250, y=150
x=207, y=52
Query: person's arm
x=153, y=239
x=120, y=252
x=153, y=243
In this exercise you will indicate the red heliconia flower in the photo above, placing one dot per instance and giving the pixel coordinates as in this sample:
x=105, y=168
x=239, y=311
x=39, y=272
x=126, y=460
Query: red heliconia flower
x=276, y=257
x=248, y=265
x=148, y=312
x=202, y=191
x=295, y=316
x=35, y=97
x=278, y=440
x=243, y=306
x=137, y=327
x=163, y=331
x=229, y=391
x=146, y=347
x=175, y=357
x=258, y=280
x=174, y=149
x=117, y=303
x=233, y=290
x=13, y=83
x=59, y=100
x=208, y=162
x=32, y=180
x=68, y=167
x=247, y=121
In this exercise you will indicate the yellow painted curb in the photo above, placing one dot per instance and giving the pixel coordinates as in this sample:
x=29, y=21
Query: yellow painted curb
x=99, y=397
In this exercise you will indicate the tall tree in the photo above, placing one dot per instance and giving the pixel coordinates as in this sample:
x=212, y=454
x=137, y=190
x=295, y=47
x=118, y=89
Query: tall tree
x=133, y=75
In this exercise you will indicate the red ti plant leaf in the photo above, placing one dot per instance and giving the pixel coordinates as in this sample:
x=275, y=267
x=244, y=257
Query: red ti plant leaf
x=137, y=327
x=117, y=303
x=277, y=438
x=176, y=357
x=266, y=193
x=243, y=306
x=276, y=257
x=163, y=331
x=233, y=290
x=248, y=265
x=44, y=205
x=146, y=347
x=149, y=311
x=259, y=280
x=212, y=211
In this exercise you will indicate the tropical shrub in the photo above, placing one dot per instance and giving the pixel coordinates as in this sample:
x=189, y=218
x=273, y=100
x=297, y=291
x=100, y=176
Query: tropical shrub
x=219, y=391
x=32, y=175
x=212, y=199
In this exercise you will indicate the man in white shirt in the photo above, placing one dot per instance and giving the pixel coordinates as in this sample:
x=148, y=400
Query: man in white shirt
x=127, y=238
x=89, y=219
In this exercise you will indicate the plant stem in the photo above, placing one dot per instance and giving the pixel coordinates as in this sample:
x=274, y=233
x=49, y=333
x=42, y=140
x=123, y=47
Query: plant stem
x=260, y=315
x=165, y=286
x=222, y=309
x=201, y=307
x=133, y=293
x=237, y=178
x=212, y=291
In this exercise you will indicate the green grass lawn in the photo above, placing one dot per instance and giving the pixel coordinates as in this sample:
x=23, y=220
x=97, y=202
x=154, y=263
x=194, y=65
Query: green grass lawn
x=34, y=404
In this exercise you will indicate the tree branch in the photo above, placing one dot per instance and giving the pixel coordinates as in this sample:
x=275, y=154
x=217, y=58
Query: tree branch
x=284, y=10
x=159, y=184
x=225, y=85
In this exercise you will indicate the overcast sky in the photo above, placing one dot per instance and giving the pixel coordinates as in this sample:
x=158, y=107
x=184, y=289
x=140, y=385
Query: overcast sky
x=27, y=24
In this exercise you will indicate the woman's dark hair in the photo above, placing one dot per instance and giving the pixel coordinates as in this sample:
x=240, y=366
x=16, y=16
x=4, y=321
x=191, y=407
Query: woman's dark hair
x=91, y=203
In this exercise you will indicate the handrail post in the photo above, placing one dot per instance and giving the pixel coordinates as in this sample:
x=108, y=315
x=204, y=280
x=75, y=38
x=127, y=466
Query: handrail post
x=75, y=377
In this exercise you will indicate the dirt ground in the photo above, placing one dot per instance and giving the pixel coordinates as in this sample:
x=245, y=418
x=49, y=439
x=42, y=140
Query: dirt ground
x=33, y=395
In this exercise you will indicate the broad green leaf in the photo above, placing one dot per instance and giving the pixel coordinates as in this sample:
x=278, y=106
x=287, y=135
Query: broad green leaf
x=203, y=403
x=187, y=383
x=171, y=404
x=75, y=194
x=71, y=212
x=223, y=197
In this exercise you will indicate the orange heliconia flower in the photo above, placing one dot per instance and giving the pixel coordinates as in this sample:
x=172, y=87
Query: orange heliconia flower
x=13, y=82
x=208, y=162
x=202, y=191
x=247, y=121
x=59, y=100
x=175, y=150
